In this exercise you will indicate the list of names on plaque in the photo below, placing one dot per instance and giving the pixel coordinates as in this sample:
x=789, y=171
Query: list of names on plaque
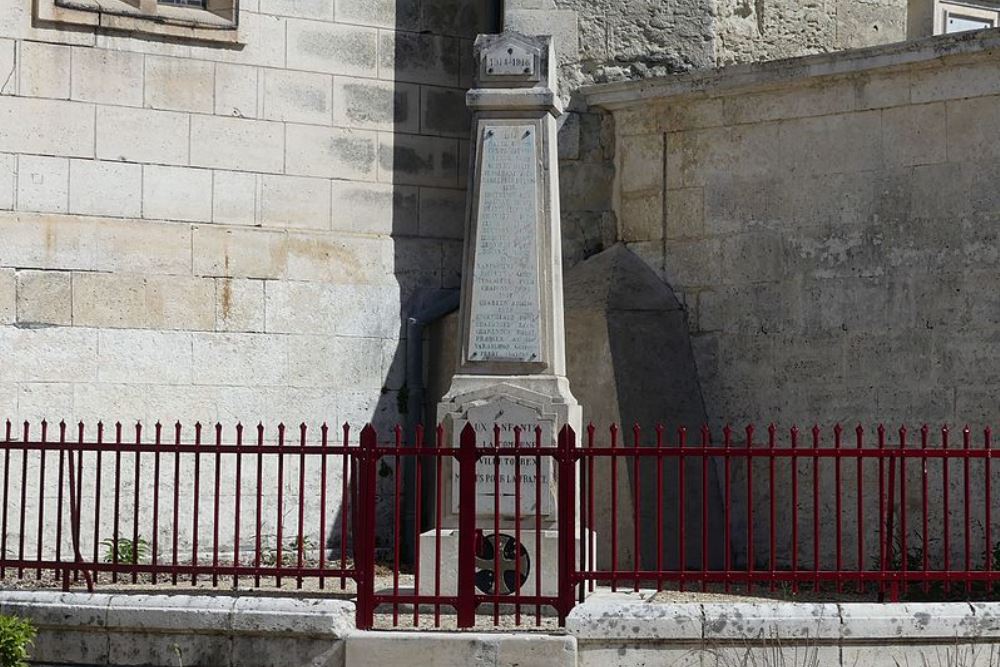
x=504, y=318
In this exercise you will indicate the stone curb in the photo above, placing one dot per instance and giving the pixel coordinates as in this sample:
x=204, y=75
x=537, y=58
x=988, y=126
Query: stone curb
x=630, y=617
x=132, y=629
x=446, y=649
x=189, y=613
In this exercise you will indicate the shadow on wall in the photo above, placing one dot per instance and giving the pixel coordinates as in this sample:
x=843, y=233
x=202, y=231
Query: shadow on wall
x=422, y=163
x=630, y=362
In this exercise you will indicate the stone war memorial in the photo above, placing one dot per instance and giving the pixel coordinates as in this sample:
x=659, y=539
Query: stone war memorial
x=511, y=375
x=508, y=332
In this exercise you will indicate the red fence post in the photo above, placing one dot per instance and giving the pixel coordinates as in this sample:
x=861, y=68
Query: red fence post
x=890, y=529
x=364, y=529
x=567, y=521
x=74, y=507
x=466, y=608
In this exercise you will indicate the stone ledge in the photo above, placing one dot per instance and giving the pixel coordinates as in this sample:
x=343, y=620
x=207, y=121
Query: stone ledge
x=634, y=618
x=458, y=649
x=735, y=79
x=126, y=629
x=307, y=617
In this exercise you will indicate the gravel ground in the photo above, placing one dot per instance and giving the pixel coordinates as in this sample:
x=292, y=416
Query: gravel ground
x=717, y=593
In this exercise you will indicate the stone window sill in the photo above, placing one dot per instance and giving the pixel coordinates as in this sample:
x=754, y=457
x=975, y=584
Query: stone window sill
x=218, y=22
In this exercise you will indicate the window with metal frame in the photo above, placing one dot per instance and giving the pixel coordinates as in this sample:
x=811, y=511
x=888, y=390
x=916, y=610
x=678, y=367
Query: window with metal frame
x=951, y=16
x=198, y=4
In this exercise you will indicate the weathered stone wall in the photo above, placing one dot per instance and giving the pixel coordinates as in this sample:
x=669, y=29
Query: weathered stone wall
x=598, y=41
x=829, y=223
x=832, y=235
x=606, y=41
x=192, y=231
x=200, y=231
x=757, y=30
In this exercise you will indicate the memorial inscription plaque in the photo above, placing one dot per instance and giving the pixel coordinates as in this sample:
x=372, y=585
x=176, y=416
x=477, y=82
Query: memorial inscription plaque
x=509, y=60
x=505, y=310
x=508, y=415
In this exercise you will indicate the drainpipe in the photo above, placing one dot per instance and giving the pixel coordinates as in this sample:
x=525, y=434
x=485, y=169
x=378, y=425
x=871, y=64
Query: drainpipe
x=426, y=307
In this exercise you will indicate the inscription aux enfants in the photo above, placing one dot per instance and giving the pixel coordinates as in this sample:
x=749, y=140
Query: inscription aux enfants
x=527, y=476
x=505, y=312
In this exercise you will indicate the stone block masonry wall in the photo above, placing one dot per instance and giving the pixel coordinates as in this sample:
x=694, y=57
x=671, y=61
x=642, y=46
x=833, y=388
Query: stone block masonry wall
x=199, y=232
x=830, y=224
x=192, y=231
x=598, y=41
x=832, y=236
x=757, y=30
x=608, y=41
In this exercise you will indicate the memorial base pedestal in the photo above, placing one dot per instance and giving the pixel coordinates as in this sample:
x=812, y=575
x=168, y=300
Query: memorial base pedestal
x=549, y=554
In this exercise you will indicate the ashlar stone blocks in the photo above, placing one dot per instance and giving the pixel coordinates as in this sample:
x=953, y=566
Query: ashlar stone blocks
x=192, y=231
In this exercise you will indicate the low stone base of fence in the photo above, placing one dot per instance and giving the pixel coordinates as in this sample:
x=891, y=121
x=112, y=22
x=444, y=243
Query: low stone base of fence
x=459, y=649
x=609, y=629
x=87, y=630
x=635, y=629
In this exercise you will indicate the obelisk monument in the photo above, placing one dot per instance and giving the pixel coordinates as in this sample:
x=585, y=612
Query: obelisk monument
x=512, y=367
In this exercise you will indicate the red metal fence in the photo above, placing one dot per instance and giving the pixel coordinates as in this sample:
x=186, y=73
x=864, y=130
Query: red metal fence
x=839, y=513
x=172, y=505
x=834, y=512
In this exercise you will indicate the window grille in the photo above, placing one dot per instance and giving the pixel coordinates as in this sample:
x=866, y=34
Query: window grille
x=198, y=4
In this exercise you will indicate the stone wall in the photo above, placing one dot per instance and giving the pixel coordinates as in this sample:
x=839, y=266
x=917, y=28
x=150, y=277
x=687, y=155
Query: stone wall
x=194, y=230
x=829, y=223
x=757, y=30
x=607, y=41
x=212, y=232
x=598, y=41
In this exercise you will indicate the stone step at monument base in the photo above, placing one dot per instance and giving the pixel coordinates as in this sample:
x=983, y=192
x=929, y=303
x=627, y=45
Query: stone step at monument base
x=548, y=552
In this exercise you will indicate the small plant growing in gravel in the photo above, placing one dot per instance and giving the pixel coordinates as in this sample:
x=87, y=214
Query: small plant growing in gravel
x=127, y=550
x=289, y=553
x=16, y=637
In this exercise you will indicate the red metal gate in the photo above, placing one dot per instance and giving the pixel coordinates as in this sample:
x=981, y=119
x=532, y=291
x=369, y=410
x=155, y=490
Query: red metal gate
x=466, y=600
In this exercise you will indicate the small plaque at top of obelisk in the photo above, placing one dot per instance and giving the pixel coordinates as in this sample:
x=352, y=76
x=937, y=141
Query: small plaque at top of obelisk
x=508, y=59
x=505, y=308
